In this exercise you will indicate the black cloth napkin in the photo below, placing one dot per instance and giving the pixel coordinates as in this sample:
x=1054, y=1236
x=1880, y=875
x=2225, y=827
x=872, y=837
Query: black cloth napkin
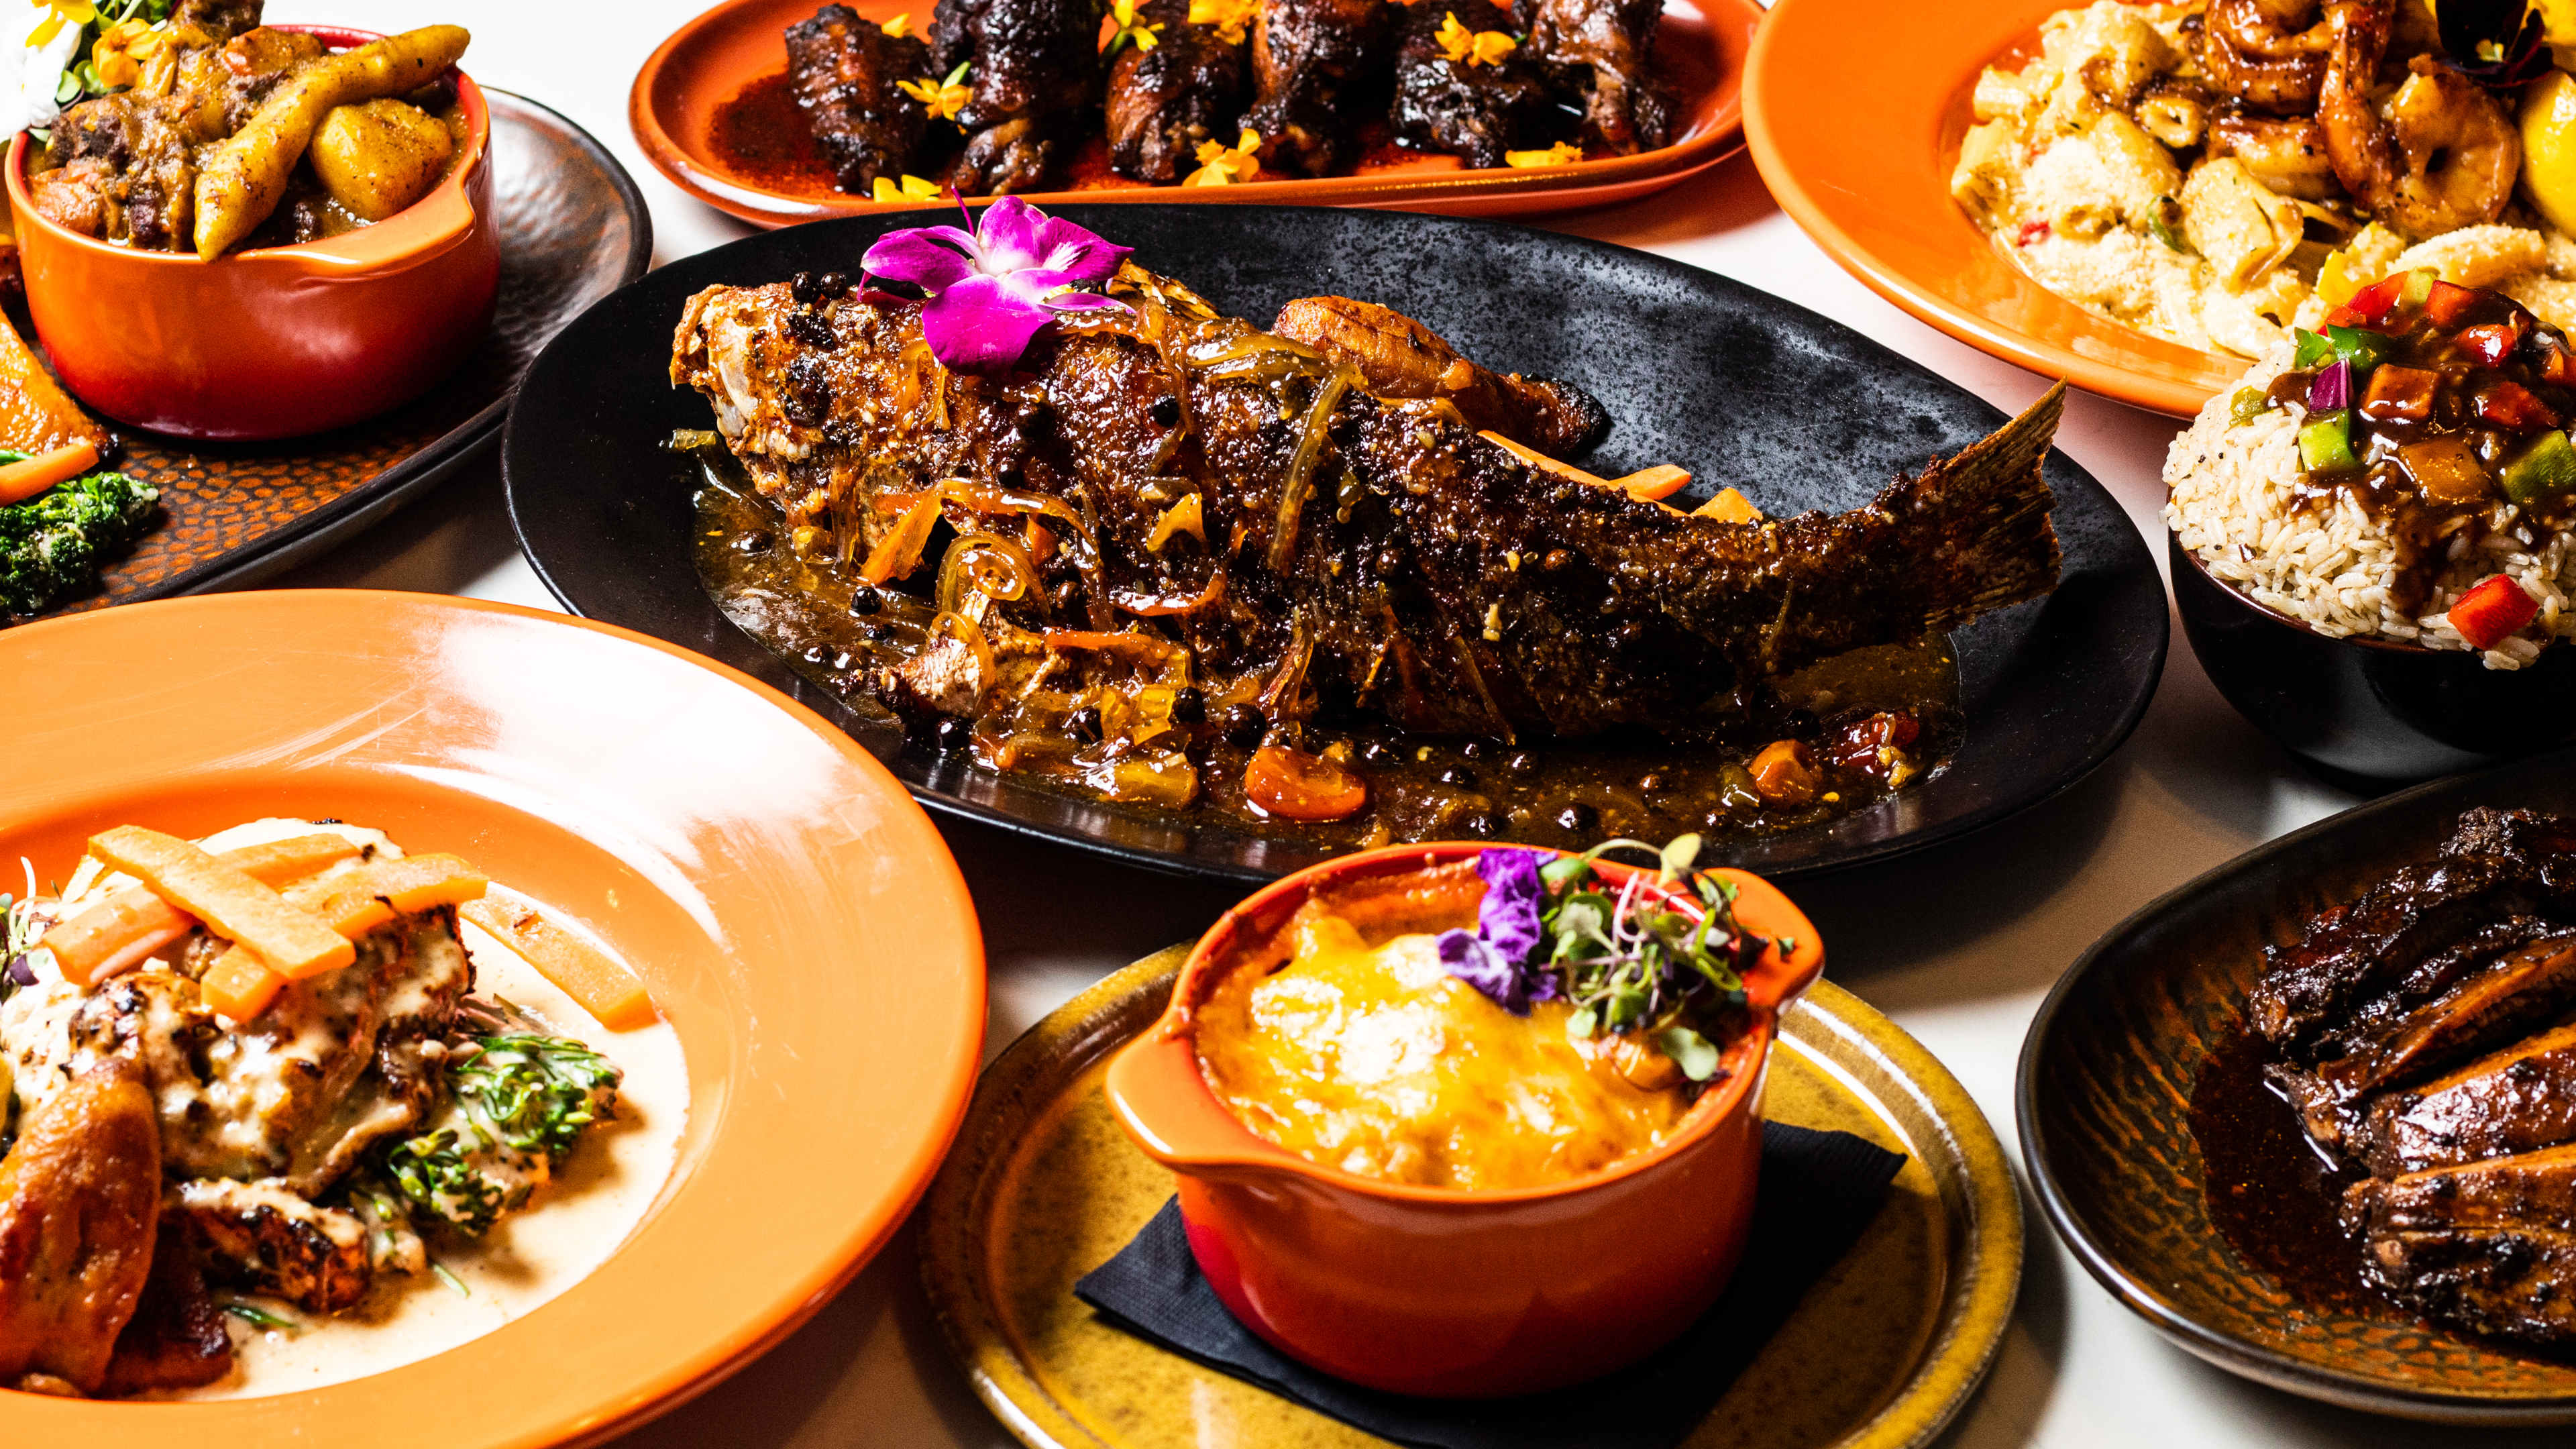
x=1819, y=1190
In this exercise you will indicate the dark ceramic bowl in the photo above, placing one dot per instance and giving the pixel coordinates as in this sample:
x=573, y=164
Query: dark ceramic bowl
x=2368, y=707
x=2128, y=1037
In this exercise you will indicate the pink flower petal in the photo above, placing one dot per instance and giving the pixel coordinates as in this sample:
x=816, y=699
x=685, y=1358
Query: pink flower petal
x=1018, y=237
x=1086, y=302
x=916, y=256
x=978, y=326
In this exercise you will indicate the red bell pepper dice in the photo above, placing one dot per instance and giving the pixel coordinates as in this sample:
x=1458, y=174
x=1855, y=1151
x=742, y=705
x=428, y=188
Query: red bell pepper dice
x=2491, y=613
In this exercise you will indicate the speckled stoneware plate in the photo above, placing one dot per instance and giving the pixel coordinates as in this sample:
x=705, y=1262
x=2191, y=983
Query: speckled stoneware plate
x=2116, y=1053
x=1745, y=389
x=573, y=230
x=1042, y=1187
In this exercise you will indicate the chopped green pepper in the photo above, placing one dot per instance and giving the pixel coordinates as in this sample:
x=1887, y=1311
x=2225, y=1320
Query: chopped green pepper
x=2325, y=444
x=2362, y=348
x=2162, y=219
x=2314, y=349
x=2248, y=404
x=2546, y=465
x=2418, y=287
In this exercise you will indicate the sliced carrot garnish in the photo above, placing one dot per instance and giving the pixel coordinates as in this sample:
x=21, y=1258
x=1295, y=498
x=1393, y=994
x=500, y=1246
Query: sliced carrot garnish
x=363, y=899
x=1646, y=485
x=30, y=476
x=240, y=985
x=601, y=983
x=231, y=903
x=123, y=931
x=1728, y=506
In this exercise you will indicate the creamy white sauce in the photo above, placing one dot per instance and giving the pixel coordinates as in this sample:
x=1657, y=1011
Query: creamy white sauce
x=569, y=1228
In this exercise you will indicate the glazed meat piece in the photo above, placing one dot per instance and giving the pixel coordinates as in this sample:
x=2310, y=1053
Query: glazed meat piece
x=259, y=1236
x=176, y=1338
x=1606, y=48
x=2516, y=1100
x=2489, y=1245
x=1311, y=62
x=2497, y=864
x=1398, y=357
x=847, y=72
x=1034, y=69
x=1474, y=109
x=1163, y=102
x=1437, y=579
x=2514, y=993
x=80, y=1205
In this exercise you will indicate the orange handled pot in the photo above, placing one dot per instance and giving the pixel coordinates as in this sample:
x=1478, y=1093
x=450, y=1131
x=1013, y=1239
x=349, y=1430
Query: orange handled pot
x=1445, y=1291
x=275, y=341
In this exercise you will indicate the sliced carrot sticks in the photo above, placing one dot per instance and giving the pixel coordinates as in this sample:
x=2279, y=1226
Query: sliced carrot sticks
x=603, y=985
x=1647, y=485
x=240, y=985
x=363, y=899
x=226, y=898
x=30, y=476
x=124, y=930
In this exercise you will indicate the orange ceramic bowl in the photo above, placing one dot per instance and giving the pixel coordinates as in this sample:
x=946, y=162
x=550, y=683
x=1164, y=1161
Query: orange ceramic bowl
x=1854, y=110
x=1444, y=1291
x=276, y=341
x=794, y=913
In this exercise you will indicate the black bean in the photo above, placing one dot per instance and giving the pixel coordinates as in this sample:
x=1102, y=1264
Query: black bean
x=1476, y=749
x=1523, y=763
x=1166, y=411
x=1460, y=776
x=833, y=284
x=813, y=329
x=753, y=543
x=1189, y=705
x=865, y=601
x=805, y=287
x=1242, y=725
x=808, y=395
x=816, y=654
x=1483, y=825
x=1379, y=752
x=953, y=733
x=1084, y=724
x=1580, y=818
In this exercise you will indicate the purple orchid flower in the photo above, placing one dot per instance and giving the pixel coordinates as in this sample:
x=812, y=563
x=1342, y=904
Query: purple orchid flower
x=993, y=289
x=1495, y=957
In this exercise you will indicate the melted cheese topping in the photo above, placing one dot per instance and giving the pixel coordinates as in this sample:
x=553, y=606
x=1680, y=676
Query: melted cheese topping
x=1376, y=1061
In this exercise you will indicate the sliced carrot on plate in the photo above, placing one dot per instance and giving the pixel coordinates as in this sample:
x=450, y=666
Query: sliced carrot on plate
x=1647, y=485
x=226, y=898
x=363, y=899
x=124, y=930
x=600, y=982
x=1728, y=506
x=32, y=475
x=240, y=985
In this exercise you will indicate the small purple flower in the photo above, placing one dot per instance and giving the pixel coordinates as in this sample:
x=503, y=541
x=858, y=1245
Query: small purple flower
x=993, y=289
x=1495, y=957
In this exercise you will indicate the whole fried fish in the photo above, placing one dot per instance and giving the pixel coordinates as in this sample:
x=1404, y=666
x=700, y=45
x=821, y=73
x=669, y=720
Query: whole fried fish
x=1323, y=546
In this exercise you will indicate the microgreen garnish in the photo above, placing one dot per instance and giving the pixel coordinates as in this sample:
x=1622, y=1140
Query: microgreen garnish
x=450, y=1279
x=258, y=1317
x=1627, y=957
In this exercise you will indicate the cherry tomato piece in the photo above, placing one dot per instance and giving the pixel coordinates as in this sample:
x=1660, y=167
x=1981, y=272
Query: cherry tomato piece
x=1295, y=785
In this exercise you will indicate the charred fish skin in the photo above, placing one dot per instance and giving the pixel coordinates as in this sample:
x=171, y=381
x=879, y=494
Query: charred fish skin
x=1377, y=552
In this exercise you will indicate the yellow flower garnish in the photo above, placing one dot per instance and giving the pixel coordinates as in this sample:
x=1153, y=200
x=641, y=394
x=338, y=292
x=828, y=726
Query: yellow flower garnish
x=125, y=48
x=1223, y=165
x=1563, y=153
x=1472, y=47
x=945, y=98
x=1124, y=12
x=898, y=27
x=59, y=13
x=911, y=188
x=1229, y=17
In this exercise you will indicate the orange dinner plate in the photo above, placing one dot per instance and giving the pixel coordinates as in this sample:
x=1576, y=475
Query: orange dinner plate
x=797, y=919
x=730, y=53
x=1854, y=110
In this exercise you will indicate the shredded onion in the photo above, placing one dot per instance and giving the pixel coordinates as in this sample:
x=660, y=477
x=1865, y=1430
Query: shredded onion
x=971, y=634
x=1301, y=470
x=994, y=566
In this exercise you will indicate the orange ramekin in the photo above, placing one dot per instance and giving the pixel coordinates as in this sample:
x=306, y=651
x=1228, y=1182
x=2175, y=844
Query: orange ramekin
x=276, y=341
x=1451, y=1292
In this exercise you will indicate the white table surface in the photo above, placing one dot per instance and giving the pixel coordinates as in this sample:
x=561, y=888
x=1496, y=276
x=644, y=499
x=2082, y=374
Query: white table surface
x=1959, y=947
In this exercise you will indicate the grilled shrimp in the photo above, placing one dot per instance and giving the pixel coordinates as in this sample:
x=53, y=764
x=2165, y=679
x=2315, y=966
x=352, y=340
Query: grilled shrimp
x=2286, y=153
x=2270, y=54
x=2443, y=156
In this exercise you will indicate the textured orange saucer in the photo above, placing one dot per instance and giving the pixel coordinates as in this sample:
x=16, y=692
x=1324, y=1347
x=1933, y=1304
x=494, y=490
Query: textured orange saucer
x=797, y=918
x=708, y=61
x=1854, y=110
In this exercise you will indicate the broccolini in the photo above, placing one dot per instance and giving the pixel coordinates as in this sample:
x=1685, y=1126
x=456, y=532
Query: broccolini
x=516, y=1107
x=52, y=544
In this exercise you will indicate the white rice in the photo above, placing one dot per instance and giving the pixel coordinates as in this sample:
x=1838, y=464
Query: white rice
x=2233, y=505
